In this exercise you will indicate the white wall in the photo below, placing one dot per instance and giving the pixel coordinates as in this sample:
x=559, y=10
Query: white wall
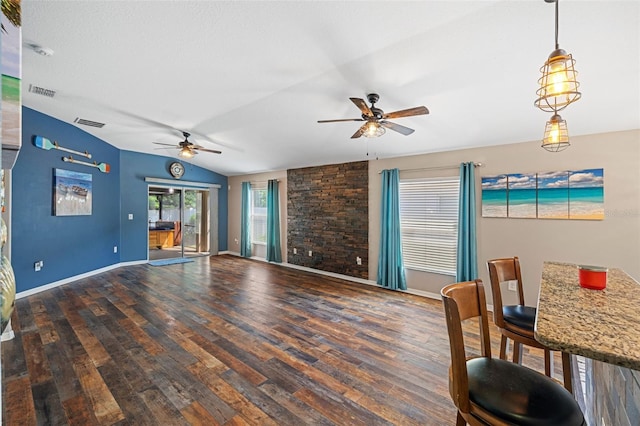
x=612, y=242
x=235, y=205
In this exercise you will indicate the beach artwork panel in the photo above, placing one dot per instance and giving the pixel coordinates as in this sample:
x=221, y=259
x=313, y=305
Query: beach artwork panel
x=494, y=196
x=72, y=194
x=566, y=194
x=586, y=194
x=522, y=195
x=553, y=195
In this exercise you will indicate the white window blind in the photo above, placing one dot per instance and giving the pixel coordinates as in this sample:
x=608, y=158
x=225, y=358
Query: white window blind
x=429, y=223
x=259, y=214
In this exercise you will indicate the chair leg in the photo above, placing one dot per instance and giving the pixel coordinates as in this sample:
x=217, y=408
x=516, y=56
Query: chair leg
x=503, y=347
x=566, y=371
x=517, y=352
x=548, y=363
x=460, y=421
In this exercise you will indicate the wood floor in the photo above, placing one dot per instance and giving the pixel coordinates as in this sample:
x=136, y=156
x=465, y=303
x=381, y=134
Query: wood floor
x=228, y=341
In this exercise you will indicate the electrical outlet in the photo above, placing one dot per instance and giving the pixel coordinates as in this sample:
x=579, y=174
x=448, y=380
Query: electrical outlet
x=130, y=216
x=310, y=253
x=115, y=249
x=359, y=260
x=295, y=250
x=38, y=265
x=512, y=285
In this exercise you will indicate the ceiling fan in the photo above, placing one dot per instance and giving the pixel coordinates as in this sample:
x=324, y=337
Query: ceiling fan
x=376, y=119
x=188, y=149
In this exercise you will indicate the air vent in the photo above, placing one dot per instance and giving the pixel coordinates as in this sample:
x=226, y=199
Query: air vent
x=88, y=122
x=42, y=91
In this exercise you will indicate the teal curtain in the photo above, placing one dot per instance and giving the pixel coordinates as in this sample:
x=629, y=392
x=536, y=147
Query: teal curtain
x=245, y=221
x=273, y=222
x=467, y=258
x=390, y=268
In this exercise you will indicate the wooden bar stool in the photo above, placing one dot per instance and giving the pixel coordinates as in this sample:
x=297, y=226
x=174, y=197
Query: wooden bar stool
x=516, y=322
x=493, y=391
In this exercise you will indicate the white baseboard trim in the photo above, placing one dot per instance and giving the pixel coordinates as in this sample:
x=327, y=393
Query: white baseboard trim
x=415, y=292
x=422, y=293
x=55, y=284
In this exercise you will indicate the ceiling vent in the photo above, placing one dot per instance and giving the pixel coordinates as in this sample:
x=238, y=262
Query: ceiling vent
x=42, y=91
x=88, y=122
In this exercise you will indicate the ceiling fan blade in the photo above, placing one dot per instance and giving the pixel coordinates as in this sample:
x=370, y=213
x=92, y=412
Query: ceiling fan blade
x=360, y=131
x=398, y=128
x=360, y=103
x=166, y=144
x=341, y=119
x=421, y=110
x=214, y=151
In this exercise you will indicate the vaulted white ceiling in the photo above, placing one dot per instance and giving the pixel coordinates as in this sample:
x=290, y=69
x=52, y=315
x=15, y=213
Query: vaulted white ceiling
x=251, y=78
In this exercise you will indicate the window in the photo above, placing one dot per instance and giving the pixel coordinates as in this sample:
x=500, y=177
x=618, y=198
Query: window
x=429, y=224
x=259, y=215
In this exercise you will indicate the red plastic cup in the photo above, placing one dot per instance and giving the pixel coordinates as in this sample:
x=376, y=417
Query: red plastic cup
x=593, y=277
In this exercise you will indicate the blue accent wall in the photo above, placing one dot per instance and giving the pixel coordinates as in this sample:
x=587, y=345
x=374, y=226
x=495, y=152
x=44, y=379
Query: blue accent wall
x=134, y=167
x=73, y=245
x=68, y=245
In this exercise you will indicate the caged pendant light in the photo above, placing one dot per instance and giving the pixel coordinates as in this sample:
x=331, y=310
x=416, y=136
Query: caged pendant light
x=556, y=135
x=558, y=84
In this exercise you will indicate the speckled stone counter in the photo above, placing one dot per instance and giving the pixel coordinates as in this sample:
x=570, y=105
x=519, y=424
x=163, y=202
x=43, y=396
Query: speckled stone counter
x=603, y=325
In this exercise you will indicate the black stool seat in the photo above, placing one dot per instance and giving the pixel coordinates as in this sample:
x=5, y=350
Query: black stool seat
x=520, y=395
x=520, y=316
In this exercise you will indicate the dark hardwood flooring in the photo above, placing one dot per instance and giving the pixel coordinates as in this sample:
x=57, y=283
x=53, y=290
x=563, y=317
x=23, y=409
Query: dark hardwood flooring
x=227, y=341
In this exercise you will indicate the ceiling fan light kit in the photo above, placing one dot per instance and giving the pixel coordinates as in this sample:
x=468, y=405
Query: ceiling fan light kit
x=376, y=119
x=186, y=152
x=373, y=130
x=558, y=89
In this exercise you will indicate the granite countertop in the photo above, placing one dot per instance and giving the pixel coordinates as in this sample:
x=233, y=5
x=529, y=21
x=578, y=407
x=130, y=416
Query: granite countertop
x=600, y=324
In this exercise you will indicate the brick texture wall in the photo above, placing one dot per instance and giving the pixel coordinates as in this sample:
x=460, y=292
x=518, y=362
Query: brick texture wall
x=328, y=214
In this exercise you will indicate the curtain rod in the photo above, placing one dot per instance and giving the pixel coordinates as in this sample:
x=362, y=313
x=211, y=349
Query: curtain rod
x=262, y=181
x=453, y=166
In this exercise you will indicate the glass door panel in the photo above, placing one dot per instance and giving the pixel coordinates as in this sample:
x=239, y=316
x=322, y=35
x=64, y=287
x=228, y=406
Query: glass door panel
x=196, y=222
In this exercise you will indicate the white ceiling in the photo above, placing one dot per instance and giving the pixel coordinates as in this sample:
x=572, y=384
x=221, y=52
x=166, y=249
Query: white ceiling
x=251, y=78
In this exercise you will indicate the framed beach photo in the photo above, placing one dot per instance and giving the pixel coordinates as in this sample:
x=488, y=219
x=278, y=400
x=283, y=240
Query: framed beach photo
x=494, y=196
x=522, y=195
x=553, y=195
x=71, y=193
x=586, y=194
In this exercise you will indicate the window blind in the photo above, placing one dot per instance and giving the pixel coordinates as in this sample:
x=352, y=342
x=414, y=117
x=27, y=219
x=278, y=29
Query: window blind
x=429, y=223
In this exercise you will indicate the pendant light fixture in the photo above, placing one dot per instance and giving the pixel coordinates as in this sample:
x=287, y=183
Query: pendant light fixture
x=558, y=84
x=556, y=135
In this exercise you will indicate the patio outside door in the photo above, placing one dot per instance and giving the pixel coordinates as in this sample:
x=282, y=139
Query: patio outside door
x=178, y=222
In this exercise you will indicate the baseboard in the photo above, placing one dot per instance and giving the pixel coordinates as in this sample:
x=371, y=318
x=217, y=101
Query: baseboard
x=415, y=292
x=55, y=284
x=422, y=293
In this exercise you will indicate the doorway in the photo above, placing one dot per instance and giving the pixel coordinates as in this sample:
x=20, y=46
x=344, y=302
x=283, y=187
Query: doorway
x=178, y=221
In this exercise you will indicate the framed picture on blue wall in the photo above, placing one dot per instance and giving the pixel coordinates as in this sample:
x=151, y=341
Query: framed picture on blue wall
x=71, y=193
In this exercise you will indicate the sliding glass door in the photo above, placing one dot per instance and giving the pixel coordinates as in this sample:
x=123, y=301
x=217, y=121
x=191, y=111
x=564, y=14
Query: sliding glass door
x=178, y=222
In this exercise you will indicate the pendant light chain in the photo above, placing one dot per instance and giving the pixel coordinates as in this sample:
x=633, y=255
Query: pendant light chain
x=557, y=19
x=558, y=89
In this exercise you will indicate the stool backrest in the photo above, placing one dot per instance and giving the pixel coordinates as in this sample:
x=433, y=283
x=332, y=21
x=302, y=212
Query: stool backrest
x=501, y=270
x=463, y=301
